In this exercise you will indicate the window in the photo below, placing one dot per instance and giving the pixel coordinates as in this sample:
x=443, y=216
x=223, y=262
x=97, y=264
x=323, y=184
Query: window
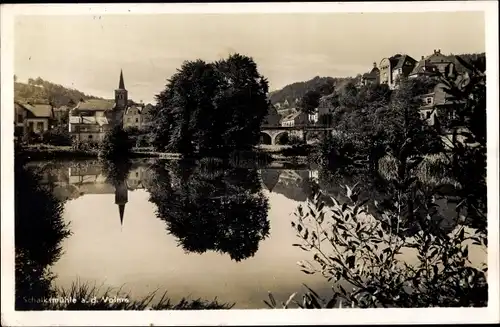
x=20, y=118
x=137, y=120
x=39, y=126
x=128, y=120
x=31, y=126
x=136, y=174
x=90, y=137
x=428, y=100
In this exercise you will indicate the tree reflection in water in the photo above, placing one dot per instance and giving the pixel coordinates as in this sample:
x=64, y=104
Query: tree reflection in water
x=220, y=209
x=39, y=231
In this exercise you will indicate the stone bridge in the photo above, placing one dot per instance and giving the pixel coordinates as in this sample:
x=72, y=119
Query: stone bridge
x=272, y=134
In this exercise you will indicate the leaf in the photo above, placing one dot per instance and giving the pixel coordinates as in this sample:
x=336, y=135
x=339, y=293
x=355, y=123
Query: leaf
x=310, y=290
x=461, y=234
x=433, y=252
x=349, y=191
x=350, y=261
x=354, y=197
x=269, y=305
x=271, y=297
x=307, y=272
x=290, y=299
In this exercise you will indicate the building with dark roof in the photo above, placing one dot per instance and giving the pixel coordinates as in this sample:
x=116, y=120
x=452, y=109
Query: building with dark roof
x=395, y=67
x=437, y=63
x=373, y=77
x=32, y=117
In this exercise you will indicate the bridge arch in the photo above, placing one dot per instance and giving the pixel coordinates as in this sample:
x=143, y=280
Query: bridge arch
x=266, y=138
x=281, y=136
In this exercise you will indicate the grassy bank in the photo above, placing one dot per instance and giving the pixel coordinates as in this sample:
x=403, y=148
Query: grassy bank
x=83, y=296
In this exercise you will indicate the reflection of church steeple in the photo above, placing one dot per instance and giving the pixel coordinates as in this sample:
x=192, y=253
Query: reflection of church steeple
x=121, y=198
x=270, y=178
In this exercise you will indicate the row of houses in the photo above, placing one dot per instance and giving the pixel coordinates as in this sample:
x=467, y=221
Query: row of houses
x=88, y=120
x=391, y=69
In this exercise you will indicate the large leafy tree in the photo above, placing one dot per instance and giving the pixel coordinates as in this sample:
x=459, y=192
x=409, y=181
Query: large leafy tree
x=211, y=108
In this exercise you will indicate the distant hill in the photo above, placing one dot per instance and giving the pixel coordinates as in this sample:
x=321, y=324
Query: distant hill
x=297, y=90
x=41, y=91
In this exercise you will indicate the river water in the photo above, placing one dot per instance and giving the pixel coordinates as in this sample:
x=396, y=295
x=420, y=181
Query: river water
x=197, y=232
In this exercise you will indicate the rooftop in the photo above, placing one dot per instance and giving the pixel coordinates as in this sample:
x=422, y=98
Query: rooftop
x=402, y=60
x=292, y=116
x=38, y=110
x=95, y=105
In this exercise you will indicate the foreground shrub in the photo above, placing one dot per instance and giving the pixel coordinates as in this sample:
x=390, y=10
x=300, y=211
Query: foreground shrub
x=58, y=136
x=384, y=268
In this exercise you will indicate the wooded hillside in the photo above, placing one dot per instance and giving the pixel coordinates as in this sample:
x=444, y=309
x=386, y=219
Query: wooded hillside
x=41, y=91
x=297, y=90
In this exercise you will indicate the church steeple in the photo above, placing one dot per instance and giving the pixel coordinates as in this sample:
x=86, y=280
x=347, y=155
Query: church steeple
x=121, y=94
x=121, y=85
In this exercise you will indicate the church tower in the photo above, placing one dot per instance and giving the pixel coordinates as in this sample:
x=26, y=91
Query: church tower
x=121, y=94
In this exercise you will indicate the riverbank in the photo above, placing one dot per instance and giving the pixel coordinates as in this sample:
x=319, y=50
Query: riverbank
x=49, y=152
x=278, y=154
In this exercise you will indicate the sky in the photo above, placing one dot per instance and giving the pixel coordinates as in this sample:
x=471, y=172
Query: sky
x=86, y=52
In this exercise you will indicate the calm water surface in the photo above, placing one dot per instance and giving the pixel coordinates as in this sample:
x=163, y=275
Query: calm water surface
x=193, y=231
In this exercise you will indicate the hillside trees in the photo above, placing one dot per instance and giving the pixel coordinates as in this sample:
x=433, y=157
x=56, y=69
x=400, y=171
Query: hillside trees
x=324, y=85
x=41, y=91
x=211, y=108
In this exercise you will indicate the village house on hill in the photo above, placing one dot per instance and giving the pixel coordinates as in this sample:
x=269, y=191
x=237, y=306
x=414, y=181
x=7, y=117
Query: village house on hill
x=437, y=63
x=298, y=118
x=392, y=68
x=373, y=77
x=32, y=118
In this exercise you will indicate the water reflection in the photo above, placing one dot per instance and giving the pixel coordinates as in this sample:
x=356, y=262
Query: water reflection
x=237, y=219
x=117, y=174
x=39, y=231
x=211, y=209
